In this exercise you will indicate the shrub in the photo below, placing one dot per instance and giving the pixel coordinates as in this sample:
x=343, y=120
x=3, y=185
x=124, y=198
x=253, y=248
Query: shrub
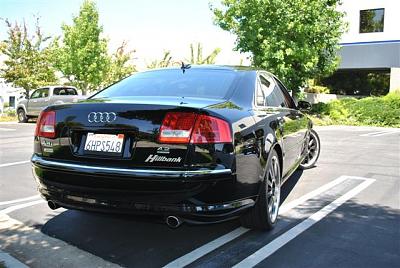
x=372, y=111
x=11, y=113
x=317, y=89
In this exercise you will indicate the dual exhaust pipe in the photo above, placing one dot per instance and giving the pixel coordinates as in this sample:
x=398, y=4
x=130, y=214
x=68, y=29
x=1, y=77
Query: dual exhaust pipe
x=52, y=205
x=173, y=222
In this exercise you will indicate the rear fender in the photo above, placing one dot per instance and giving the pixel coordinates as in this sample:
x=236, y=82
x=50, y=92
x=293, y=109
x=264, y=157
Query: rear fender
x=271, y=141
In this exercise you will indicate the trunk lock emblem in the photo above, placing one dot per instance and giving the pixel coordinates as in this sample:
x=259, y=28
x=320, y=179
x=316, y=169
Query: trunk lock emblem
x=101, y=117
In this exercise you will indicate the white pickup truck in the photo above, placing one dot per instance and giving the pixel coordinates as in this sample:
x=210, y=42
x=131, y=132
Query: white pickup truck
x=43, y=97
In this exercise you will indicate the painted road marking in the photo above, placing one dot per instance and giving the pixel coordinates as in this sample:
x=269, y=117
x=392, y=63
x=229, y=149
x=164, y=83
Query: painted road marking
x=286, y=237
x=14, y=163
x=7, y=129
x=207, y=248
x=218, y=242
x=20, y=206
x=380, y=133
x=19, y=200
x=17, y=123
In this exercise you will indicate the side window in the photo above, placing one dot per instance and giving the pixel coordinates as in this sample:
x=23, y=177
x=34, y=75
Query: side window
x=58, y=91
x=35, y=94
x=289, y=100
x=260, y=94
x=63, y=91
x=44, y=92
x=71, y=91
x=274, y=96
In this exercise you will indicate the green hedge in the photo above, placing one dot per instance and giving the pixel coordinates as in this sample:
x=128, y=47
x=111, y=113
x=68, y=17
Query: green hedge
x=371, y=111
x=317, y=89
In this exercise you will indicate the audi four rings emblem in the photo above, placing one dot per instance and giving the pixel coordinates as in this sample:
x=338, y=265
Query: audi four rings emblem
x=101, y=117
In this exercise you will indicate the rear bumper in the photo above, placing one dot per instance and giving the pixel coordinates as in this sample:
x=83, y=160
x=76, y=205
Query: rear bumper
x=137, y=173
x=210, y=194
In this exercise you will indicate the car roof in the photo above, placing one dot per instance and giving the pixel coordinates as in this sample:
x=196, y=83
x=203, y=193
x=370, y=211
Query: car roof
x=56, y=86
x=211, y=67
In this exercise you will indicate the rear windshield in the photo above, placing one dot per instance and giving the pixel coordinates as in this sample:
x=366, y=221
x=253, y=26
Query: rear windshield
x=191, y=83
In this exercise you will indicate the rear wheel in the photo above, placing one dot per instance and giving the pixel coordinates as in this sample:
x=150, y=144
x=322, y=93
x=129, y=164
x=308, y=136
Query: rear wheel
x=265, y=212
x=22, y=118
x=312, y=151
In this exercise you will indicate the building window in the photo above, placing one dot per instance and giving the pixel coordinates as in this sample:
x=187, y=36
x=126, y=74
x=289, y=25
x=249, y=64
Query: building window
x=372, y=20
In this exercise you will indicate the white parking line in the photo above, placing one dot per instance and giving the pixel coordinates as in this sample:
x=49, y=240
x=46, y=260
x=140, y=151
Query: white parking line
x=206, y=248
x=20, y=206
x=14, y=163
x=286, y=237
x=7, y=129
x=210, y=246
x=19, y=200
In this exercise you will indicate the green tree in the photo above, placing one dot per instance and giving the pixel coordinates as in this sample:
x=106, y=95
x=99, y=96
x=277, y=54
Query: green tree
x=196, y=55
x=82, y=56
x=120, y=65
x=27, y=63
x=166, y=61
x=297, y=40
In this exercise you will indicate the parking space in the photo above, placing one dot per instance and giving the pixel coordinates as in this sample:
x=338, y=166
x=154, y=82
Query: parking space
x=343, y=213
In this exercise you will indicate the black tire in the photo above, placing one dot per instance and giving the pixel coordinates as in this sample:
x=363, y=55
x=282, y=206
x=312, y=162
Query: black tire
x=312, y=151
x=22, y=118
x=264, y=214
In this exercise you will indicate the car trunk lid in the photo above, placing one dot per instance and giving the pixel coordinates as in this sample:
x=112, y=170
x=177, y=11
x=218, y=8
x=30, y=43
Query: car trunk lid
x=136, y=120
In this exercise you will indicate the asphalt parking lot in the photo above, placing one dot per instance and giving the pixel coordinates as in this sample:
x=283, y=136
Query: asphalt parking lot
x=345, y=212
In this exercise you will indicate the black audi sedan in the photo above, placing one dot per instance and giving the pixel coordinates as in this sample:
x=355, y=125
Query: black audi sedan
x=196, y=144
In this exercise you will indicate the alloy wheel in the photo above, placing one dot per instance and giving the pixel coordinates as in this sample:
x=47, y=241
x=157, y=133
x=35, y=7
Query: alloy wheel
x=312, y=151
x=273, y=189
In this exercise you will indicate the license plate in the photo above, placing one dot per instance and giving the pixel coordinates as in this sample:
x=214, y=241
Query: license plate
x=107, y=143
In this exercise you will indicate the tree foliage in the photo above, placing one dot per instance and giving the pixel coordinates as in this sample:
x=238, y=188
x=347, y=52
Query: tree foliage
x=165, y=61
x=27, y=63
x=296, y=40
x=196, y=55
x=120, y=65
x=82, y=56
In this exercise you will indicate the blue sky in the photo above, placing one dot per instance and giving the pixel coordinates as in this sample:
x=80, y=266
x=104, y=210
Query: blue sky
x=149, y=26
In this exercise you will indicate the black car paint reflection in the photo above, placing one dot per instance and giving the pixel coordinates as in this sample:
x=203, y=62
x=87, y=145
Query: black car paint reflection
x=214, y=181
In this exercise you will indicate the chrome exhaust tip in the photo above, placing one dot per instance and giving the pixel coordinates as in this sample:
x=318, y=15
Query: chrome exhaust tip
x=173, y=222
x=52, y=205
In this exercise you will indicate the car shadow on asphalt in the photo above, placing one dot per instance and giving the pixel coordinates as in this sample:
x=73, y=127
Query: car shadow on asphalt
x=130, y=240
x=290, y=183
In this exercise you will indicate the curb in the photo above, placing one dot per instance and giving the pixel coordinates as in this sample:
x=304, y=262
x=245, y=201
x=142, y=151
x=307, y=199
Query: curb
x=10, y=262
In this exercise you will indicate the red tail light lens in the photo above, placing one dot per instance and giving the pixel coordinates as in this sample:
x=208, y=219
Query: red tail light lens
x=176, y=127
x=198, y=129
x=46, y=124
x=209, y=129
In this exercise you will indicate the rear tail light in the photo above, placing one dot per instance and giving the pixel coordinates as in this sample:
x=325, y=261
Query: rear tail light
x=209, y=129
x=180, y=127
x=46, y=124
x=177, y=127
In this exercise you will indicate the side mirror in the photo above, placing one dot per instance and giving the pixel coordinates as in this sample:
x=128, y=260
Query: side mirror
x=304, y=105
